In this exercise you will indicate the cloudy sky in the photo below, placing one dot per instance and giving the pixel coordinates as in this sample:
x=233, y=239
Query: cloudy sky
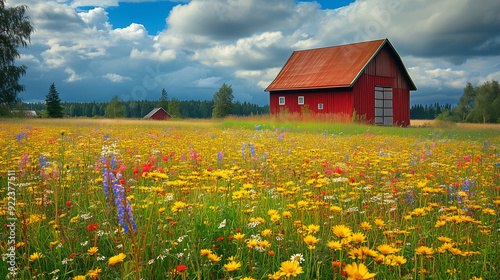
x=94, y=49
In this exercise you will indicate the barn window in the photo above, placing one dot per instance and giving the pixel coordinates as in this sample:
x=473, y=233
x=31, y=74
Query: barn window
x=320, y=106
x=282, y=100
x=301, y=100
x=383, y=106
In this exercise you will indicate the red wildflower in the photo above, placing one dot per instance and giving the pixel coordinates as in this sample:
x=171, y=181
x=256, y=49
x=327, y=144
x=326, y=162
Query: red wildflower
x=92, y=227
x=181, y=268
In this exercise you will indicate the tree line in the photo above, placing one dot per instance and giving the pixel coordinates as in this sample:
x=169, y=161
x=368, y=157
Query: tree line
x=427, y=112
x=140, y=108
x=480, y=104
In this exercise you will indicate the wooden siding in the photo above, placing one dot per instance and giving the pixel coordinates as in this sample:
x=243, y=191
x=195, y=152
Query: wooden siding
x=334, y=101
x=160, y=115
x=382, y=71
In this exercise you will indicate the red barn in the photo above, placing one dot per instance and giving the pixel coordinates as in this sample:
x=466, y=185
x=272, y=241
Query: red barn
x=368, y=78
x=157, y=114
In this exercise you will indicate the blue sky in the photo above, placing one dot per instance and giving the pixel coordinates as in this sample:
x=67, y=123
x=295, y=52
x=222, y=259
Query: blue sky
x=95, y=49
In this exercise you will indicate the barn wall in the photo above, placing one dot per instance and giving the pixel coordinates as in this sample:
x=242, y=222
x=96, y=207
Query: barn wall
x=382, y=71
x=160, y=115
x=334, y=101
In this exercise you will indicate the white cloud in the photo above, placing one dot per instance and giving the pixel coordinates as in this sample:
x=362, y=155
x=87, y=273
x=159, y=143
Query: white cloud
x=246, y=42
x=156, y=55
x=133, y=32
x=261, y=78
x=73, y=77
x=250, y=50
x=97, y=17
x=211, y=82
x=493, y=76
x=24, y=58
x=115, y=78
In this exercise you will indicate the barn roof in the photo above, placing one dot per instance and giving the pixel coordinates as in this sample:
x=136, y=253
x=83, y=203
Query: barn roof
x=331, y=67
x=154, y=111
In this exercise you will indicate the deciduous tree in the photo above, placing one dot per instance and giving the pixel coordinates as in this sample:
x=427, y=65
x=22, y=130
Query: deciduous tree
x=15, y=31
x=115, y=108
x=223, y=101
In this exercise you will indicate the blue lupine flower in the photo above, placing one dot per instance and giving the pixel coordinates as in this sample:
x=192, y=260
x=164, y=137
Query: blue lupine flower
x=123, y=205
x=220, y=155
x=21, y=136
x=252, y=149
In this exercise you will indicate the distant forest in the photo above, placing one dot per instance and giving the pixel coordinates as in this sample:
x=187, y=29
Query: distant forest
x=138, y=109
x=427, y=112
x=200, y=109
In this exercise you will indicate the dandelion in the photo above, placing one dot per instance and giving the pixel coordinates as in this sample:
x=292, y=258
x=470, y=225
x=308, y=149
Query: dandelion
x=312, y=229
x=398, y=260
x=92, y=251
x=341, y=231
x=379, y=223
x=275, y=276
x=334, y=245
x=239, y=236
x=116, y=259
x=287, y=214
x=358, y=272
x=310, y=240
x=387, y=249
x=266, y=232
x=366, y=226
x=444, y=239
x=264, y=244
x=94, y=274
x=290, y=269
x=252, y=243
x=214, y=257
x=358, y=237
x=232, y=266
x=424, y=251
x=205, y=252
x=35, y=256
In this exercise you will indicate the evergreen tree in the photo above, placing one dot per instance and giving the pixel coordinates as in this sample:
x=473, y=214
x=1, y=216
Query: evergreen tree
x=115, y=108
x=15, y=31
x=223, y=101
x=163, y=102
x=53, y=103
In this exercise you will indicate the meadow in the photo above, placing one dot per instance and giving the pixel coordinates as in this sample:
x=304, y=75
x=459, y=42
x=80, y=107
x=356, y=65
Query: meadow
x=248, y=198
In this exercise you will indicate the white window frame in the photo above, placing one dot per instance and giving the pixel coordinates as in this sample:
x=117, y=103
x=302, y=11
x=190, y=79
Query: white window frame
x=301, y=97
x=320, y=106
x=281, y=100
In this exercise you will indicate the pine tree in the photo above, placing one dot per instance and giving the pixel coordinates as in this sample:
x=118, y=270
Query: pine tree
x=163, y=102
x=53, y=103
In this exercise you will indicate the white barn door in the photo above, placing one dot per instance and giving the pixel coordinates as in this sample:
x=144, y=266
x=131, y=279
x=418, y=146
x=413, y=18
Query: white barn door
x=383, y=106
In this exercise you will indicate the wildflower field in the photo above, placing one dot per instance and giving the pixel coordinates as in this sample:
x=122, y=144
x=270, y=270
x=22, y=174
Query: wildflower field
x=157, y=201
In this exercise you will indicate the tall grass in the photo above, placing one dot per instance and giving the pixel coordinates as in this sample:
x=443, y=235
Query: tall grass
x=343, y=125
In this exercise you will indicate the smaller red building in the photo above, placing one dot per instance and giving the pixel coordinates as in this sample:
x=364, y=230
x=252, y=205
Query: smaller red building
x=157, y=114
x=368, y=78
